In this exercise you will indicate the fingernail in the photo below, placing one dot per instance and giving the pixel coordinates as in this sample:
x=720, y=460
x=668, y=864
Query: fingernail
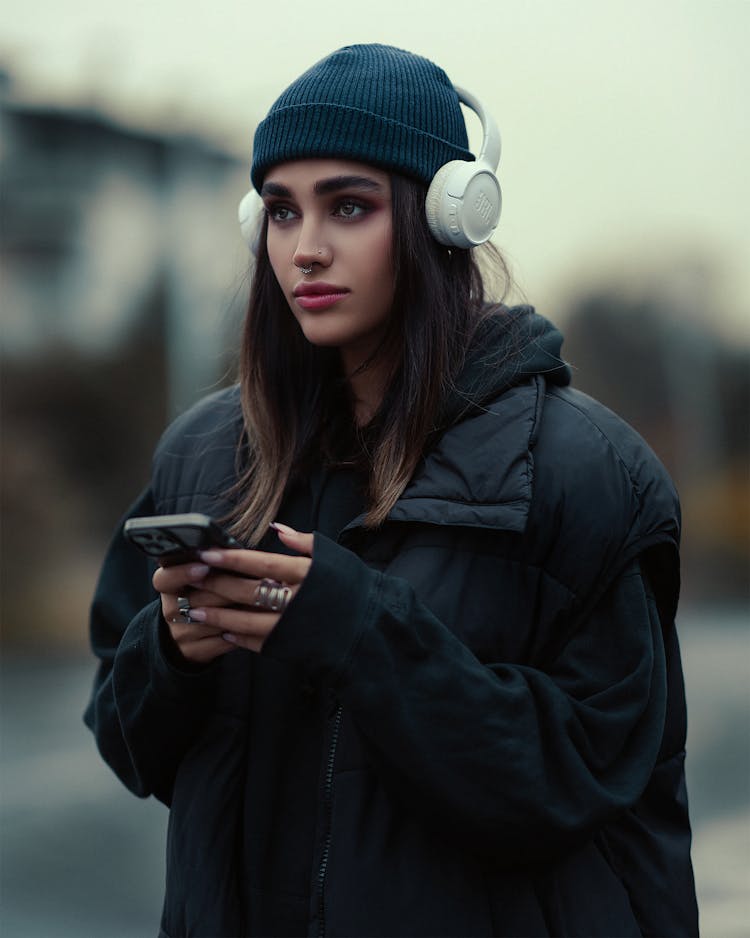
x=211, y=556
x=283, y=528
x=198, y=615
x=198, y=570
x=228, y=637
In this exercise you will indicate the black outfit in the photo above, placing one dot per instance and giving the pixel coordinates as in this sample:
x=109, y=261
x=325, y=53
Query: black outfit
x=470, y=721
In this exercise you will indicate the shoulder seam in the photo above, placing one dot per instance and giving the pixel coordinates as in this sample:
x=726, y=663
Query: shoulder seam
x=590, y=420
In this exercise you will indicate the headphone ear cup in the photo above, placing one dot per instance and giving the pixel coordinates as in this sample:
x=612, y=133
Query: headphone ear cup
x=442, y=221
x=250, y=219
x=463, y=204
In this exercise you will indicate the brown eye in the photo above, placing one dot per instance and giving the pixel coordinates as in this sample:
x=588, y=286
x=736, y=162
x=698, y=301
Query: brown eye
x=350, y=209
x=280, y=213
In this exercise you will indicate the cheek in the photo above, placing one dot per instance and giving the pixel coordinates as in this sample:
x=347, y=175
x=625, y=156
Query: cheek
x=375, y=254
x=275, y=266
x=277, y=258
x=383, y=271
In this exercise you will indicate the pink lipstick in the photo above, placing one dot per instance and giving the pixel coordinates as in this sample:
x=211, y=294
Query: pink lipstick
x=318, y=295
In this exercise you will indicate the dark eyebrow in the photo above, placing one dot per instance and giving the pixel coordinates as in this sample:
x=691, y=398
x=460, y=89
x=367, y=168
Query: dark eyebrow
x=325, y=186
x=273, y=188
x=335, y=183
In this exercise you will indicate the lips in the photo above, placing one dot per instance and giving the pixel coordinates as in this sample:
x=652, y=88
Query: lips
x=318, y=295
x=318, y=288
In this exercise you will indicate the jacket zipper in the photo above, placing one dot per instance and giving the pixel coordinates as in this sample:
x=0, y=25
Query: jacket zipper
x=328, y=805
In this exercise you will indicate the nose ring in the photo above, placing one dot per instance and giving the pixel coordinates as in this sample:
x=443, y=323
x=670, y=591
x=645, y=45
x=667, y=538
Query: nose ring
x=307, y=269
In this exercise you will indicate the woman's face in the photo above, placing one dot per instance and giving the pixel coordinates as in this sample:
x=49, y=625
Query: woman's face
x=333, y=216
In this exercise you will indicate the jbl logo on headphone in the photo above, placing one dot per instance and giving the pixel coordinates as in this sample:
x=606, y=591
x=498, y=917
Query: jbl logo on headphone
x=483, y=207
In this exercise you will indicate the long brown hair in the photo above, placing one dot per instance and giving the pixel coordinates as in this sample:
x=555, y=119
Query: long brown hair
x=287, y=385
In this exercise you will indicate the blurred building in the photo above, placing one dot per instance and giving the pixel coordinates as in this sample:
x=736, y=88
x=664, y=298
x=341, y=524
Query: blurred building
x=98, y=220
x=122, y=280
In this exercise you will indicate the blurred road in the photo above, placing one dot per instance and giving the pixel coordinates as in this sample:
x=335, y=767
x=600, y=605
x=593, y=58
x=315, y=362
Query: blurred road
x=82, y=858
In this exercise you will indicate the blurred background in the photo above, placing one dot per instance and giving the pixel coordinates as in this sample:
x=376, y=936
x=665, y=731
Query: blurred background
x=126, y=138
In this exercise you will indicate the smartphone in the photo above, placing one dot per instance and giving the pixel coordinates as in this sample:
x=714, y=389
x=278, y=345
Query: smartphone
x=173, y=539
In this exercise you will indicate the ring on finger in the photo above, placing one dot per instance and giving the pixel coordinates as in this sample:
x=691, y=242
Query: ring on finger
x=183, y=604
x=272, y=596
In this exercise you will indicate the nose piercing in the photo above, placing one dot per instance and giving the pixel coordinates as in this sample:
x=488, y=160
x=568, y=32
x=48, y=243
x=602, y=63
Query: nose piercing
x=307, y=269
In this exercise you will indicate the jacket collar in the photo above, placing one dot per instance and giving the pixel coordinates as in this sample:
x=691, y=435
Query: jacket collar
x=480, y=472
x=478, y=468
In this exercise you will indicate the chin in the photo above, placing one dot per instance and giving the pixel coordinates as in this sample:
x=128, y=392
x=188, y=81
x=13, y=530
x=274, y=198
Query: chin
x=324, y=334
x=325, y=338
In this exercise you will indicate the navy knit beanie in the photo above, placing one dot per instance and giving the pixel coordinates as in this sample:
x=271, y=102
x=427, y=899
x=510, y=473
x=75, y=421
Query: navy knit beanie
x=371, y=103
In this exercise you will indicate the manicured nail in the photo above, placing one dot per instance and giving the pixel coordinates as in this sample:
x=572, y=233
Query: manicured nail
x=198, y=571
x=283, y=528
x=198, y=615
x=228, y=637
x=211, y=556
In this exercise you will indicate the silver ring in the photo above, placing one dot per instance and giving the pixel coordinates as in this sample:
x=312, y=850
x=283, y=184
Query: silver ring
x=305, y=270
x=183, y=604
x=272, y=595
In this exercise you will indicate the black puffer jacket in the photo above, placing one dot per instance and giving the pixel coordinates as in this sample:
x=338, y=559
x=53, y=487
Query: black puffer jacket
x=468, y=722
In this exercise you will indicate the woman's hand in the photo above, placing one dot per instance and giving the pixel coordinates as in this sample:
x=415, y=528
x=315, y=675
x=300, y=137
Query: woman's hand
x=222, y=591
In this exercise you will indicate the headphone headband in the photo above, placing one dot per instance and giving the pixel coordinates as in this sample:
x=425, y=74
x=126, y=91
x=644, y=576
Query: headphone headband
x=490, y=151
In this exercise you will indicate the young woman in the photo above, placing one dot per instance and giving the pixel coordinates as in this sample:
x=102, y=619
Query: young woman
x=440, y=691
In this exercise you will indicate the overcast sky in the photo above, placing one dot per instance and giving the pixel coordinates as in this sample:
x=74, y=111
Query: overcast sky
x=625, y=131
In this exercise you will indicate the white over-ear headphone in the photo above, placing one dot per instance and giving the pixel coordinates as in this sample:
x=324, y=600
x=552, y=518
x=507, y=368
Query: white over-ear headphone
x=464, y=199
x=463, y=202
x=250, y=219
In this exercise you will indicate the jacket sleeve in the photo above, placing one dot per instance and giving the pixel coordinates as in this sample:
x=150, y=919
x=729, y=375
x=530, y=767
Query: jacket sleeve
x=145, y=706
x=512, y=761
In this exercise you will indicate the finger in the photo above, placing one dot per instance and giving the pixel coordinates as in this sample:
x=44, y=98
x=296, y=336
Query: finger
x=223, y=589
x=175, y=579
x=189, y=632
x=255, y=625
x=242, y=641
x=259, y=565
x=173, y=612
x=301, y=542
x=210, y=593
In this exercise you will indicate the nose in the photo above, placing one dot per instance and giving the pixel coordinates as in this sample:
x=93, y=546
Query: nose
x=311, y=248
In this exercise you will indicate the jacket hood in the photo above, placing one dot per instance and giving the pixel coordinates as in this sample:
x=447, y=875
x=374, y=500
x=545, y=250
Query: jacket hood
x=509, y=347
